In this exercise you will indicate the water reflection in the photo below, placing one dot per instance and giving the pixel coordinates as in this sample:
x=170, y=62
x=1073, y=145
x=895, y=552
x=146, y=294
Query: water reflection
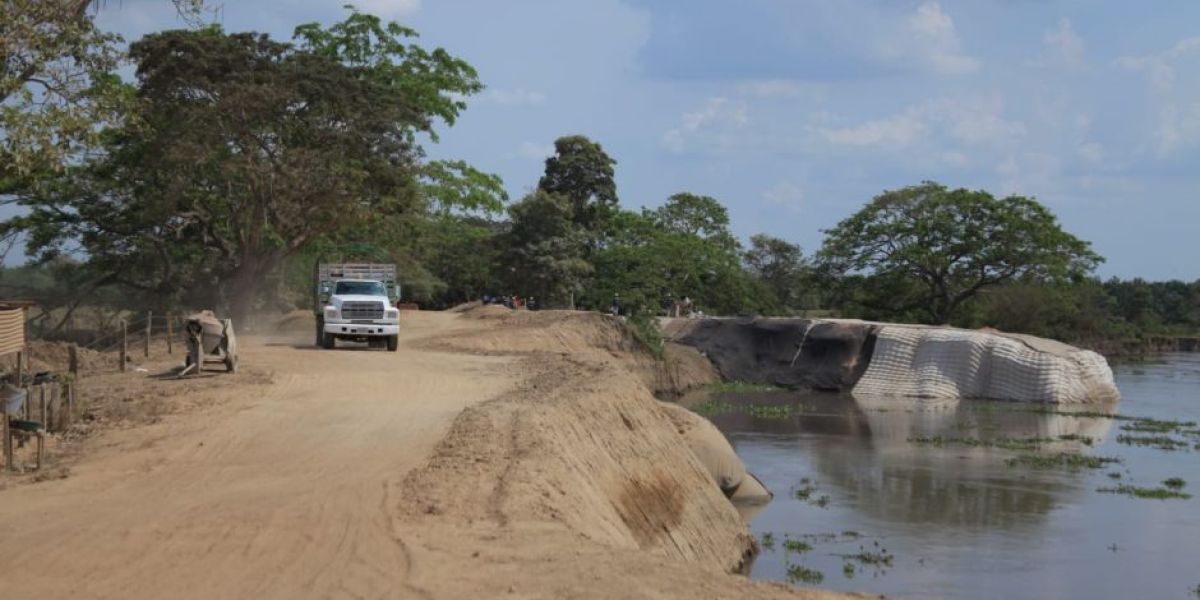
x=863, y=447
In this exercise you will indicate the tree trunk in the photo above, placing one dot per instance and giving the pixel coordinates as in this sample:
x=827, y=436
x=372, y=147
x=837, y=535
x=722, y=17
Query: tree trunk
x=242, y=290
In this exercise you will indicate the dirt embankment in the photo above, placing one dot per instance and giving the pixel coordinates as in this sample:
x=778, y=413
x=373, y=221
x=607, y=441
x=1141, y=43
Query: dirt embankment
x=497, y=453
x=578, y=473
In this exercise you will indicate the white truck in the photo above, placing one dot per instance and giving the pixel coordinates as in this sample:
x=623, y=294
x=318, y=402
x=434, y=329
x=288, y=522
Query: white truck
x=357, y=302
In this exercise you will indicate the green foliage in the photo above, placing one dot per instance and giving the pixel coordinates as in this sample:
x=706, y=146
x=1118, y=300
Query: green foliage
x=780, y=266
x=644, y=263
x=1148, y=493
x=582, y=172
x=933, y=248
x=246, y=151
x=57, y=87
x=544, y=251
x=695, y=216
x=645, y=330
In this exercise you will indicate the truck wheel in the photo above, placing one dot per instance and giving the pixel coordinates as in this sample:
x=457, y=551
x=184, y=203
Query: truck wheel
x=393, y=342
x=328, y=341
x=320, y=331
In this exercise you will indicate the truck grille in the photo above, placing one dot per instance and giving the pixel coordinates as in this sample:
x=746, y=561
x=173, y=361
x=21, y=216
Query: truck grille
x=362, y=310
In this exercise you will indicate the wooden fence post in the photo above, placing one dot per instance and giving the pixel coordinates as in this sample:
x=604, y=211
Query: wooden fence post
x=170, y=333
x=124, y=343
x=8, y=449
x=73, y=360
x=149, y=322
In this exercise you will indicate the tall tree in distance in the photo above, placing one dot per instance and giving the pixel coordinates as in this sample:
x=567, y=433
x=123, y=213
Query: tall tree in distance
x=581, y=172
x=544, y=250
x=246, y=150
x=700, y=216
x=780, y=266
x=952, y=244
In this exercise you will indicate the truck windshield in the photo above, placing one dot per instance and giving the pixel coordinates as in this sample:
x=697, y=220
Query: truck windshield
x=360, y=288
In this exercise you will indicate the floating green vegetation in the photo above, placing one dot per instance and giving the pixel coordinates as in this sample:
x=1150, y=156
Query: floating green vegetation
x=769, y=411
x=1006, y=443
x=764, y=411
x=1065, y=460
x=795, y=546
x=848, y=570
x=1175, y=483
x=876, y=556
x=1114, y=475
x=1075, y=437
x=740, y=387
x=1141, y=492
x=1157, y=426
x=803, y=574
x=768, y=541
x=712, y=407
x=805, y=492
x=1162, y=442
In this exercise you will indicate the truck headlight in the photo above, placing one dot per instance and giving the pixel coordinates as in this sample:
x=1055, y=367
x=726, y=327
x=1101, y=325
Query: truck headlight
x=331, y=312
x=393, y=313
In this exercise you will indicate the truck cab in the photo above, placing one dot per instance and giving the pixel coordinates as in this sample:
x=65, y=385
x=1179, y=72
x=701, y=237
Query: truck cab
x=355, y=302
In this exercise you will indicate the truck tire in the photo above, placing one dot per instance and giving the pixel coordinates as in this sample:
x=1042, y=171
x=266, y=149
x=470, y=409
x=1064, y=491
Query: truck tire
x=393, y=342
x=328, y=341
x=320, y=331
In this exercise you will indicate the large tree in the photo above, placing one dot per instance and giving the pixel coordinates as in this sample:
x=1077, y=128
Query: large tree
x=953, y=243
x=57, y=82
x=583, y=173
x=543, y=250
x=245, y=150
x=781, y=267
x=695, y=215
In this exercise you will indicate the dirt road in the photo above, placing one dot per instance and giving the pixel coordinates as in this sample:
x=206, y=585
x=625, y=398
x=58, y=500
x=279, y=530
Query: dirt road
x=282, y=493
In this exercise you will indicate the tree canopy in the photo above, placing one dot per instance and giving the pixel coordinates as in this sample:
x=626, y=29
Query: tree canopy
x=245, y=150
x=952, y=244
x=583, y=173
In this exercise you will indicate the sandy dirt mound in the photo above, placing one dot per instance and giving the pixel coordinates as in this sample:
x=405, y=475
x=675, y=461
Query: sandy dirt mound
x=576, y=333
x=55, y=356
x=415, y=474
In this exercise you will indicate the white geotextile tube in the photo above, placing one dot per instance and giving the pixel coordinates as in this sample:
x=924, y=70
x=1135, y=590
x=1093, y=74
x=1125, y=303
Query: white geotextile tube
x=958, y=363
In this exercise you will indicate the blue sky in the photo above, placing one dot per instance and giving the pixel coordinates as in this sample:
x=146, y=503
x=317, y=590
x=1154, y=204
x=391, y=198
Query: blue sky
x=796, y=112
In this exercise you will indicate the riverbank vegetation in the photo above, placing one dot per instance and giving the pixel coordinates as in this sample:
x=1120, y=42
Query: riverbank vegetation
x=233, y=162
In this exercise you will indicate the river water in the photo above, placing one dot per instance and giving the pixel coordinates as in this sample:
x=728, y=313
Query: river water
x=919, y=499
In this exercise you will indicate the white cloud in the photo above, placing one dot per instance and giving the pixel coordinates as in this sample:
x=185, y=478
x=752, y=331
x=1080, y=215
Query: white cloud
x=1062, y=47
x=388, y=9
x=718, y=114
x=975, y=122
x=896, y=131
x=1178, y=110
x=1161, y=66
x=785, y=194
x=513, y=97
x=934, y=42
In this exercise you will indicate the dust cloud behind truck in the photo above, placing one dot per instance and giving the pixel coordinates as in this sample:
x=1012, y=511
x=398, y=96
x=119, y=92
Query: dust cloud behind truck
x=357, y=302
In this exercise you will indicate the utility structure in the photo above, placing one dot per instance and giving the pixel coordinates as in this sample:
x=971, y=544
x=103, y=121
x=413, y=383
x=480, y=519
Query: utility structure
x=209, y=340
x=13, y=394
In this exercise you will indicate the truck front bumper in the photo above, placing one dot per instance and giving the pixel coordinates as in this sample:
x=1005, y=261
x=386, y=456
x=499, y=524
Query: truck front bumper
x=361, y=329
